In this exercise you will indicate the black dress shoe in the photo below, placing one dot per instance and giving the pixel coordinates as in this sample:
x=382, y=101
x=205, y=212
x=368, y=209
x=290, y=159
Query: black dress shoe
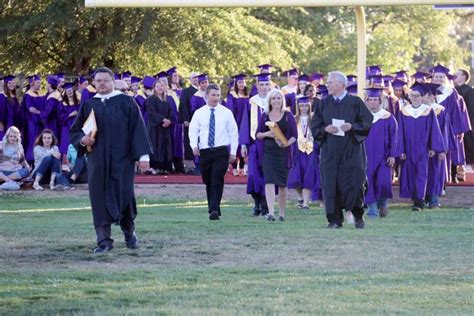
x=334, y=225
x=214, y=216
x=359, y=223
x=102, y=249
x=133, y=242
x=383, y=212
x=256, y=211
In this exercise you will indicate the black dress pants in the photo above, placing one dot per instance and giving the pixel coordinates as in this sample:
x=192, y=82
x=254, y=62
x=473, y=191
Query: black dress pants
x=104, y=233
x=214, y=163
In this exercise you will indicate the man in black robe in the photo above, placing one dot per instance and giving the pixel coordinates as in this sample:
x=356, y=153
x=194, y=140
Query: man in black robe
x=185, y=115
x=121, y=140
x=467, y=92
x=340, y=124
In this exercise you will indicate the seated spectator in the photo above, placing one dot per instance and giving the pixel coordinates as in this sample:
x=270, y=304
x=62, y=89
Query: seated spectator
x=47, y=161
x=77, y=169
x=13, y=166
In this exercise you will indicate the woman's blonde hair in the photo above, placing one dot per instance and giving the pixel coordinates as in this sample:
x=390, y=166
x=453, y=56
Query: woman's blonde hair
x=18, y=145
x=270, y=96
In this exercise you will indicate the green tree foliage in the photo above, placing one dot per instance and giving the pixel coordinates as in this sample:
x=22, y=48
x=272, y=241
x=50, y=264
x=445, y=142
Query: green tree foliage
x=62, y=35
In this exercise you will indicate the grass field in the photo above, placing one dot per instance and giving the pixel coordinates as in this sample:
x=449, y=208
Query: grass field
x=408, y=263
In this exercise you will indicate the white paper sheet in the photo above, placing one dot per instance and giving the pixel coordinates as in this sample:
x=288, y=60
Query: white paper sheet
x=338, y=124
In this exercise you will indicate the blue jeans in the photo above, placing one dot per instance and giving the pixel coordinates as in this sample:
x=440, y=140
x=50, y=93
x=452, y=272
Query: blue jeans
x=48, y=166
x=375, y=207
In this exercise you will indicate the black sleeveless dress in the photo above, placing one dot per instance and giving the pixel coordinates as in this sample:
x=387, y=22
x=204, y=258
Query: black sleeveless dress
x=274, y=165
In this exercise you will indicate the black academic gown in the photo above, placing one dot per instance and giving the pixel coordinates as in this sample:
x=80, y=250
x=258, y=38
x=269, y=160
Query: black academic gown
x=343, y=160
x=121, y=140
x=467, y=92
x=160, y=137
x=185, y=115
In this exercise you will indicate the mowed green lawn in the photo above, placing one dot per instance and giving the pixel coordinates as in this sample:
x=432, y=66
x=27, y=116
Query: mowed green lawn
x=408, y=263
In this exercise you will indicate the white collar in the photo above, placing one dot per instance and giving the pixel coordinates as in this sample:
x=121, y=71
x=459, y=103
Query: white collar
x=108, y=96
x=446, y=92
x=436, y=106
x=416, y=112
x=257, y=99
x=380, y=115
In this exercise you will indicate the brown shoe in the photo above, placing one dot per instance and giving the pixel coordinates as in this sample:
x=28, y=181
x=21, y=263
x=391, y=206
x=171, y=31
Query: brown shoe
x=383, y=212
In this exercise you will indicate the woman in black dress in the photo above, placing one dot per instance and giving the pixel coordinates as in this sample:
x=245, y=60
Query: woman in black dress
x=277, y=158
x=159, y=123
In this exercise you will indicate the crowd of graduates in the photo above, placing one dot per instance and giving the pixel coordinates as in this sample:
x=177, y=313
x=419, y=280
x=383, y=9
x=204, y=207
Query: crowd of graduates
x=421, y=133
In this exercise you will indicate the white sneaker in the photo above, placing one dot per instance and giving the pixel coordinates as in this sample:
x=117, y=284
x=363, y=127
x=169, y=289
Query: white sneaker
x=349, y=218
x=10, y=186
x=235, y=172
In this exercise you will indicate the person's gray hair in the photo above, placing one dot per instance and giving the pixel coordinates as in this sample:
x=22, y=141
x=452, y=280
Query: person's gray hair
x=339, y=76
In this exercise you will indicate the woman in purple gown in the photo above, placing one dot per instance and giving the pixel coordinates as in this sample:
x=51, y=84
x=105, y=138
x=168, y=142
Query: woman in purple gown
x=68, y=110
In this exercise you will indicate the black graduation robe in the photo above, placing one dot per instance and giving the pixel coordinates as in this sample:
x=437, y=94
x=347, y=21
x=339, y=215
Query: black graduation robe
x=467, y=93
x=157, y=110
x=121, y=140
x=185, y=115
x=343, y=161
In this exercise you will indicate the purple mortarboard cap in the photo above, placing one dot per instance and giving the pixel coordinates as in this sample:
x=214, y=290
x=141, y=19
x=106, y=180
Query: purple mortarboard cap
x=323, y=90
x=161, y=74
x=352, y=88
x=68, y=85
x=60, y=75
x=82, y=79
x=303, y=99
x=375, y=69
x=398, y=84
x=52, y=80
x=387, y=80
x=172, y=70
x=450, y=76
x=265, y=67
x=421, y=75
x=262, y=77
x=127, y=74
x=374, y=92
x=148, y=82
x=116, y=76
x=419, y=87
x=304, y=78
x=439, y=69
x=239, y=77
x=291, y=72
x=351, y=78
x=317, y=76
x=432, y=88
x=135, y=79
x=33, y=78
x=401, y=74
x=376, y=79
x=202, y=77
x=9, y=78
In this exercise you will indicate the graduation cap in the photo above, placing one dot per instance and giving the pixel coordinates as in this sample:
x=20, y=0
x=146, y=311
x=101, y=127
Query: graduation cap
x=451, y=77
x=265, y=67
x=262, y=77
x=352, y=88
x=291, y=72
x=127, y=74
x=303, y=100
x=52, y=80
x=432, y=88
x=82, y=79
x=60, y=75
x=401, y=74
x=387, y=80
x=317, y=76
x=239, y=77
x=376, y=79
x=323, y=90
x=161, y=74
x=397, y=84
x=421, y=75
x=303, y=77
x=8, y=78
x=351, y=78
x=440, y=69
x=419, y=87
x=375, y=69
x=374, y=92
x=148, y=82
x=135, y=79
x=68, y=85
x=172, y=70
x=33, y=78
x=202, y=77
x=116, y=76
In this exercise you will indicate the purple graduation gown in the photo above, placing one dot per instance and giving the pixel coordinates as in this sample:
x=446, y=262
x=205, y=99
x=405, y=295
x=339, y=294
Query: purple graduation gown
x=34, y=122
x=416, y=137
x=305, y=172
x=237, y=105
x=88, y=93
x=65, y=122
x=197, y=101
x=12, y=113
x=255, y=181
x=140, y=98
x=3, y=115
x=50, y=114
x=380, y=144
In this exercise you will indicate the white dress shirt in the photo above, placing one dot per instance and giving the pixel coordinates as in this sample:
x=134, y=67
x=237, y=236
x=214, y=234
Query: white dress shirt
x=226, y=132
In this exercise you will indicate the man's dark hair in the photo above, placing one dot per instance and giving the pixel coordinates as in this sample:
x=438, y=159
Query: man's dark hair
x=212, y=86
x=465, y=73
x=104, y=70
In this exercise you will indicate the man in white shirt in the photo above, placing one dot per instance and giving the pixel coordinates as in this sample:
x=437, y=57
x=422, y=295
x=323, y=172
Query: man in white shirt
x=211, y=131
